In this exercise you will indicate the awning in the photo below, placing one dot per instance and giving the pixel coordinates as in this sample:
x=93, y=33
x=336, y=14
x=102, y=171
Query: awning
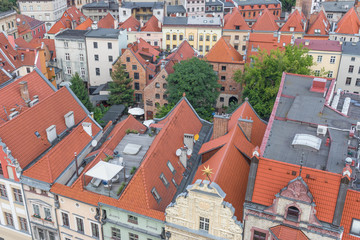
x=136, y=111
x=104, y=171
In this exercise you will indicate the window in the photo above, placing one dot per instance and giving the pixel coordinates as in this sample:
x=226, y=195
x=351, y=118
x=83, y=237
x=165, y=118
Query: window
x=348, y=81
x=96, y=57
x=332, y=59
x=80, y=45
x=109, y=45
x=168, y=46
x=200, y=48
x=23, y=224
x=155, y=194
x=110, y=71
x=36, y=209
x=165, y=86
x=359, y=70
x=137, y=86
x=221, y=99
x=138, y=97
x=353, y=59
x=81, y=57
x=155, y=43
x=9, y=219
x=174, y=37
x=97, y=71
x=222, y=89
x=223, y=68
x=95, y=44
x=171, y=167
x=3, y=191
x=181, y=37
x=82, y=72
x=357, y=82
x=174, y=46
x=319, y=59
x=204, y=224
x=111, y=59
x=207, y=48
x=207, y=38
x=68, y=70
x=329, y=16
x=157, y=96
x=355, y=227
x=164, y=180
x=191, y=37
x=17, y=195
x=51, y=236
x=67, y=56
x=47, y=214
x=65, y=219
x=95, y=230
x=132, y=219
x=80, y=224
x=165, y=96
x=223, y=78
x=330, y=74
x=134, y=67
x=317, y=73
x=167, y=36
x=127, y=59
x=259, y=235
x=243, y=47
x=136, y=75
x=351, y=69
x=201, y=38
x=293, y=214
x=66, y=44
x=133, y=236
x=115, y=233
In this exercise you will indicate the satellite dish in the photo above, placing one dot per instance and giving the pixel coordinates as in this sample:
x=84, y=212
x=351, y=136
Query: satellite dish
x=18, y=19
x=178, y=152
x=189, y=152
x=196, y=137
x=93, y=143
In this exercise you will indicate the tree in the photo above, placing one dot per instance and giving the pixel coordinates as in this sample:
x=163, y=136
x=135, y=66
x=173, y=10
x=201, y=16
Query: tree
x=287, y=4
x=263, y=76
x=121, y=91
x=78, y=87
x=198, y=80
x=162, y=111
x=6, y=5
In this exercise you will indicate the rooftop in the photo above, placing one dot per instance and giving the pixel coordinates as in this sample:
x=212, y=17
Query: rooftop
x=107, y=22
x=223, y=52
x=255, y=2
x=205, y=21
x=318, y=24
x=302, y=105
x=235, y=21
x=131, y=24
x=320, y=45
x=71, y=34
x=351, y=48
x=265, y=22
x=337, y=6
x=103, y=33
x=7, y=13
x=102, y=5
x=152, y=5
x=176, y=9
x=349, y=23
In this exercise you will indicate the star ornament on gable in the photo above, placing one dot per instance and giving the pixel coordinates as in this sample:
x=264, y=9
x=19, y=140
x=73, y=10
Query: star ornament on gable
x=207, y=172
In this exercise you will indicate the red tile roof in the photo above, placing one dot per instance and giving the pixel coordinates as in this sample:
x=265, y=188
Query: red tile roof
x=131, y=24
x=228, y=163
x=85, y=25
x=107, y=22
x=319, y=22
x=351, y=211
x=50, y=43
x=296, y=21
x=27, y=23
x=349, y=23
x=4, y=77
x=265, y=22
x=10, y=94
x=320, y=45
x=62, y=24
x=74, y=14
x=183, y=52
x=152, y=25
x=21, y=43
x=287, y=233
x=223, y=52
x=49, y=111
x=53, y=163
x=272, y=176
x=235, y=19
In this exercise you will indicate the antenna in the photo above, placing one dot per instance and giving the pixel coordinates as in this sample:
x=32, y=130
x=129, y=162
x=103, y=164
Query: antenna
x=178, y=152
x=189, y=152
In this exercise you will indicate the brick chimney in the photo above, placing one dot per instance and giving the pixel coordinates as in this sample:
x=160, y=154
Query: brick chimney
x=24, y=91
x=220, y=125
x=246, y=126
x=340, y=202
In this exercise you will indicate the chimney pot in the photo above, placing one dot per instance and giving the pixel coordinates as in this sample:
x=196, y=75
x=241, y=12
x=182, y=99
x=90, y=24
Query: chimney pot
x=220, y=125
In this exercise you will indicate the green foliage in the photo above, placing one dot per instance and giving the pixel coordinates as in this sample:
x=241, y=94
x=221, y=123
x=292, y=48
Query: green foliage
x=107, y=158
x=162, y=111
x=78, y=87
x=6, y=5
x=262, y=78
x=121, y=91
x=122, y=186
x=287, y=4
x=232, y=107
x=133, y=170
x=131, y=131
x=197, y=79
x=99, y=112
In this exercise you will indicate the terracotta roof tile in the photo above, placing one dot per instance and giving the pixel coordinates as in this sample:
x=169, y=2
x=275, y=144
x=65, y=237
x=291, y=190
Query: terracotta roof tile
x=349, y=23
x=27, y=23
x=152, y=25
x=273, y=175
x=223, y=52
x=287, y=233
x=296, y=21
x=49, y=111
x=75, y=15
x=235, y=20
x=319, y=22
x=131, y=24
x=320, y=45
x=21, y=43
x=54, y=162
x=265, y=22
x=50, y=43
x=107, y=22
x=183, y=52
x=62, y=24
x=351, y=211
x=85, y=25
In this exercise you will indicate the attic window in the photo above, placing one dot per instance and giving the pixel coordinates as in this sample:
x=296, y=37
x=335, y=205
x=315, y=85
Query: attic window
x=293, y=214
x=155, y=194
x=37, y=134
x=164, y=180
x=171, y=167
x=355, y=227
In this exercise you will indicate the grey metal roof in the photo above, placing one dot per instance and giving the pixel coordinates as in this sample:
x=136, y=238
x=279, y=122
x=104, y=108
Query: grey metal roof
x=338, y=6
x=113, y=114
x=352, y=48
x=300, y=111
x=215, y=21
x=102, y=5
x=213, y=3
x=175, y=21
x=71, y=34
x=7, y=13
x=255, y=2
x=153, y=5
x=103, y=33
x=176, y=9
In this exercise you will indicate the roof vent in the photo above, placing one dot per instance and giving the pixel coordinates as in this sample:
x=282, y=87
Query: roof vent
x=358, y=126
x=318, y=85
x=13, y=114
x=33, y=102
x=321, y=130
x=51, y=133
x=69, y=119
x=87, y=128
x=306, y=141
x=307, y=43
x=346, y=106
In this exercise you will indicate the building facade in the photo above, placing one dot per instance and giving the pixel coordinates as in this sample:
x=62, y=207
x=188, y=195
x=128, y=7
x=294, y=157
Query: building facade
x=251, y=10
x=98, y=10
x=142, y=11
x=8, y=23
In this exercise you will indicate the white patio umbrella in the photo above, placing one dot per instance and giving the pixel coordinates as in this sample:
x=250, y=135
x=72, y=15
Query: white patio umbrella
x=148, y=122
x=136, y=111
x=104, y=171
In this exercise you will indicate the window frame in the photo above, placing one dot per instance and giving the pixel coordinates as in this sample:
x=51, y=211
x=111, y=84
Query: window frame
x=3, y=192
x=79, y=224
x=351, y=227
x=204, y=224
x=65, y=219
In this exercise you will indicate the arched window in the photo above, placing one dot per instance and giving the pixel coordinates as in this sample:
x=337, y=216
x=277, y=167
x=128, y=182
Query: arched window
x=157, y=96
x=157, y=85
x=293, y=214
x=164, y=96
x=165, y=86
x=157, y=104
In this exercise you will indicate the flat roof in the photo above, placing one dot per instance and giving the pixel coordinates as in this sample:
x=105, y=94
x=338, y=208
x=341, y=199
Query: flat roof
x=103, y=33
x=300, y=111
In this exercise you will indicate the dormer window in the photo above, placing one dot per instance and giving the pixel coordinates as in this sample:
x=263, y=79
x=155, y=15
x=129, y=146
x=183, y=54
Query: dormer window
x=293, y=214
